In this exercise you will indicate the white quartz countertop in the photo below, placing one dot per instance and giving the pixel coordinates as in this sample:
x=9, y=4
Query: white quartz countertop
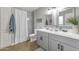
x=65, y=34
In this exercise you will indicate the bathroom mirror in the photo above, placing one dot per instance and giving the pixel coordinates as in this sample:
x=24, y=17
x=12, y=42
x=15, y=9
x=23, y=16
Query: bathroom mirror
x=39, y=20
x=48, y=20
x=64, y=15
x=61, y=20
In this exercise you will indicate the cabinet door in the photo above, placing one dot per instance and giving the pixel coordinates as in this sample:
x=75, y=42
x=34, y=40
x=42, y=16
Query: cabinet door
x=45, y=43
x=39, y=39
x=66, y=47
x=42, y=40
x=53, y=45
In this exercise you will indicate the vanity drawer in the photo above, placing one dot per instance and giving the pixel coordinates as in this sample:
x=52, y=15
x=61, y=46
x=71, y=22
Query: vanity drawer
x=53, y=36
x=45, y=34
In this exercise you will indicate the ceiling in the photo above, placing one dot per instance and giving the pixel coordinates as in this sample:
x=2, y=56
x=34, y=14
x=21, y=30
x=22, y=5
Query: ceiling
x=29, y=9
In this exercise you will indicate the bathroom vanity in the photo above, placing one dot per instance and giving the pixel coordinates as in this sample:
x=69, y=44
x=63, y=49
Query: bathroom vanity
x=57, y=40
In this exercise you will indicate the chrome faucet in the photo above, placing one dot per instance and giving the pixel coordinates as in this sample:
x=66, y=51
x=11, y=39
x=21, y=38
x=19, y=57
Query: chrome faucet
x=60, y=28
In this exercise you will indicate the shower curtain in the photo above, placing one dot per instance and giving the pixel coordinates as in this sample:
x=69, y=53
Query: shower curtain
x=21, y=26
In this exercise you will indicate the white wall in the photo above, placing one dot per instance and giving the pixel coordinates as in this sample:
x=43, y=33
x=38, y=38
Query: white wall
x=29, y=15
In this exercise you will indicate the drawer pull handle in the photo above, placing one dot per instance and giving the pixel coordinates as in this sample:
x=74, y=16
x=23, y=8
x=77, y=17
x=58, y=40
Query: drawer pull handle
x=62, y=48
x=58, y=46
x=41, y=38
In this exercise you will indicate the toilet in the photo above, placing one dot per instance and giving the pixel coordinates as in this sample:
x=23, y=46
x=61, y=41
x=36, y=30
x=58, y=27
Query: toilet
x=32, y=37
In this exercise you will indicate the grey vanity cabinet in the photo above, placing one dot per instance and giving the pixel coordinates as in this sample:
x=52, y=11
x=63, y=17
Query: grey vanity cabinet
x=42, y=40
x=53, y=45
x=59, y=43
x=45, y=43
x=53, y=42
x=66, y=47
x=39, y=40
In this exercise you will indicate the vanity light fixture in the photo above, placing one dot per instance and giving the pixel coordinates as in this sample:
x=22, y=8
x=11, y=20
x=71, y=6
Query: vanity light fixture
x=61, y=8
x=50, y=10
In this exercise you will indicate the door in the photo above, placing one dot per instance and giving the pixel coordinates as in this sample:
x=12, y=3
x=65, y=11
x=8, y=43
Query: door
x=53, y=45
x=66, y=47
x=5, y=18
